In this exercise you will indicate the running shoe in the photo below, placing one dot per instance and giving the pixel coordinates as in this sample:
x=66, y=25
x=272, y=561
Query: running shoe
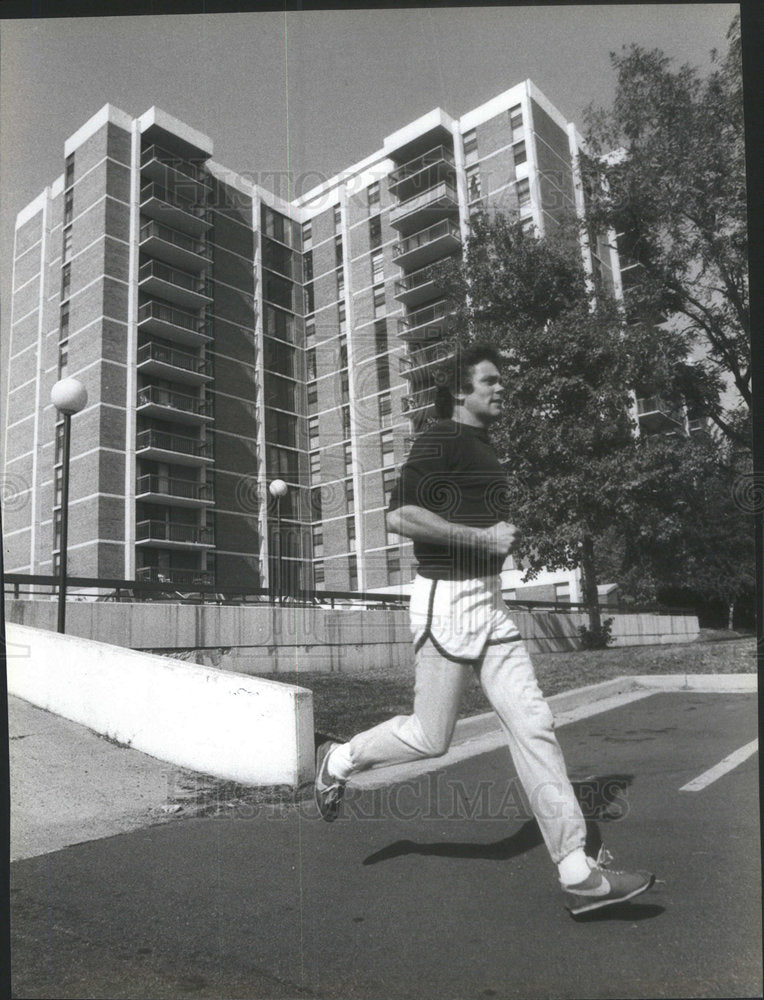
x=328, y=791
x=603, y=887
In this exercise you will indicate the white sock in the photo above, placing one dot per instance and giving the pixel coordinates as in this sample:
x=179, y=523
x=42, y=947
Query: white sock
x=340, y=763
x=574, y=868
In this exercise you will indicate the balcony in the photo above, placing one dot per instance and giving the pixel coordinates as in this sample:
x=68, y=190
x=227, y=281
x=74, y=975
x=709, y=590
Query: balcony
x=169, y=363
x=179, y=287
x=417, y=287
x=428, y=244
x=180, y=492
x=421, y=172
x=167, y=404
x=173, y=324
x=173, y=246
x=160, y=446
x=417, y=363
x=172, y=209
x=656, y=415
x=181, y=577
x=173, y=536
x=425, y=209
x=418, y=400
x=429, y=323
x=169, y=168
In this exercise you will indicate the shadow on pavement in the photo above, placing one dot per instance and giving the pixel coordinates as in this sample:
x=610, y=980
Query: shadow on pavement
x=632, y=912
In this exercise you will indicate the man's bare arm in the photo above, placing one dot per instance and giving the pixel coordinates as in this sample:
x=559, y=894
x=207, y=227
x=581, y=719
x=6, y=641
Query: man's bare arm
x=424, y=526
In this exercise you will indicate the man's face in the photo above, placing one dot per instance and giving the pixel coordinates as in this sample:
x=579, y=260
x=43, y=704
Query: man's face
x=484, y=401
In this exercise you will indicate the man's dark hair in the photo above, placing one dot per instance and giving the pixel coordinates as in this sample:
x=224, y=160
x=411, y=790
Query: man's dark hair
x=455, y=376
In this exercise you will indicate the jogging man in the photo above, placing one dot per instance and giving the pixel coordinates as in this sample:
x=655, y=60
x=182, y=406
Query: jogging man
x=451, y=499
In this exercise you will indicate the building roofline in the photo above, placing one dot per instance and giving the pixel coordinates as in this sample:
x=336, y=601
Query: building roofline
x=108, y=113
x=156, y=116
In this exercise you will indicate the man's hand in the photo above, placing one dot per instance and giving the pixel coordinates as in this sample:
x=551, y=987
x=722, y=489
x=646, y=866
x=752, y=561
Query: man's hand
x=501, y=538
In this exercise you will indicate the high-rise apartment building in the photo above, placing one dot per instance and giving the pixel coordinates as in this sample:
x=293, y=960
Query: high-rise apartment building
x=227, y=338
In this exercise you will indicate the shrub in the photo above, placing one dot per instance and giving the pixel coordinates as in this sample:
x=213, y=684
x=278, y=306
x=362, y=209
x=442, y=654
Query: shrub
x=597, y=638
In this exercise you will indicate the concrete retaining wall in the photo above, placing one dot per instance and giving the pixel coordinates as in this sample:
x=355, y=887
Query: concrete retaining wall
x=264, y=639
x=245, y=729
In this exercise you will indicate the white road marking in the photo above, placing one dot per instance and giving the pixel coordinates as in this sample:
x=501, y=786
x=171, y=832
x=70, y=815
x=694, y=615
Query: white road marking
x=723, y=767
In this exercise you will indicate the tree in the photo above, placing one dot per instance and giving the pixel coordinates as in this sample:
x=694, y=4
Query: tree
x=666, y=168
x=567, y=434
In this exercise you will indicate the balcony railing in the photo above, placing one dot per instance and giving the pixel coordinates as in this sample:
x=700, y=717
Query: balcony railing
x=163, y=531
x=424, y=276
x=182, y=488
x=182, y=210
x=152, y=229
x=649, y=405
x=181, y=577
x=173, y=276
x=162, y=441
x=419, y=400
x=429, y=321
x=174, y=323
x=425, y=237
x=441, y=197
x=166, y=159
x=172, y=357
x=176, y=400
x=439, y=154
x=410, y=363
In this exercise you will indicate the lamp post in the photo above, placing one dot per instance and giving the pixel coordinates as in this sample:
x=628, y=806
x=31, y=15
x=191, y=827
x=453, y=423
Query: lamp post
x=277, y=490
x=69, y=397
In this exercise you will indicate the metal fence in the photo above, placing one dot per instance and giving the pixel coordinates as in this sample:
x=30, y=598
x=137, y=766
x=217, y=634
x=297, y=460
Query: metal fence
x=19, y=585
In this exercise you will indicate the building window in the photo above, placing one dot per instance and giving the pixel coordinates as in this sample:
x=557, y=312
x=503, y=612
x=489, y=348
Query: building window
x=385, y=410
x=57, y=531
x=383, y=373
x=343, y=353
x=393, y=557
x=379, y=300
x=318, y=572
x=389, y=477
x=388, y=448
x=67, y=251
x=315, y=466
x=307, y=266
x=473, y=182
x=524, y=193
x=377, y=267
x=516, y=121
x=307, y=234
x=345, y=385
x=338, y=251
x=68, y=206
x=66, y=280
x=353, y=571
x=312, y=430
x=350, y=523
x=69, y=171
x=316, y=504
x=375, y=231
x=312, y=397
x=380, y=337
x=63, y=357
x=63, y=329
x=519, y=152
x=279, y=324
x=470, y=147
x=348, y=455
x=309, y=298
x=372, y=194
x=318, y=542
x=345, y=421
x=341, y=317
x=310, y=364
x=562, y=592
x=59, y=443
x=337, y=218
x=310, y=332
x=58, y=477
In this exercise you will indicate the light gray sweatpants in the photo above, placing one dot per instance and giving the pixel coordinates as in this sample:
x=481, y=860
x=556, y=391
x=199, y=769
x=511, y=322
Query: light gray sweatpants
x=460, y=627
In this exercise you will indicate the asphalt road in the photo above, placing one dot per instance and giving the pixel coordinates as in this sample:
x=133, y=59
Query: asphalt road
x=434, y=888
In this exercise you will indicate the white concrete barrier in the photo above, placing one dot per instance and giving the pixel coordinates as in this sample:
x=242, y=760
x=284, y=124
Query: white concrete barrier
x=229, y=725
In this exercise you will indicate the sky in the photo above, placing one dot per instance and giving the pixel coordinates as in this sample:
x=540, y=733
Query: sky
x=301, y=95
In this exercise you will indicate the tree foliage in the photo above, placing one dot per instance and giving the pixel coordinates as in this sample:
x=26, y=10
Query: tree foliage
x=666, y=167
x=579, y=472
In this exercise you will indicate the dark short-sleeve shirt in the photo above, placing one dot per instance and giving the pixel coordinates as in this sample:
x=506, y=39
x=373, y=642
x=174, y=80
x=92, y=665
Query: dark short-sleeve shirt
x=452, y=470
